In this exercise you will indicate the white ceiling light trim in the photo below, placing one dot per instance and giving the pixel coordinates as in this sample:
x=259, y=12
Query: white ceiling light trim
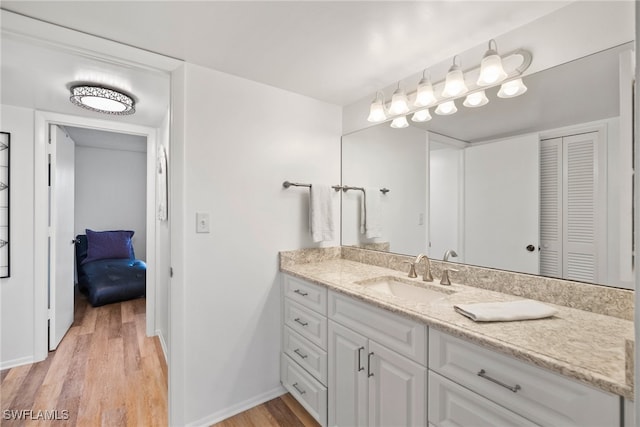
x=513, y=65
x=102, y=100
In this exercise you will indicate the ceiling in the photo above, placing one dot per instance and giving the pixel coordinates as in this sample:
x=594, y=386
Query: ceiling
x=93, y=138
x=334, y=51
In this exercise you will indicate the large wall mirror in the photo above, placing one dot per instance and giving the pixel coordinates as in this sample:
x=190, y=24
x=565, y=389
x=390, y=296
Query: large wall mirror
x=538, y=184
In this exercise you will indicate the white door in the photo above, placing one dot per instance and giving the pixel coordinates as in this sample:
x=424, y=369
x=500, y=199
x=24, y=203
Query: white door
x=551, y=207
x=61, y=234
x=501, y=204
x=397, y=389
x=348, y=372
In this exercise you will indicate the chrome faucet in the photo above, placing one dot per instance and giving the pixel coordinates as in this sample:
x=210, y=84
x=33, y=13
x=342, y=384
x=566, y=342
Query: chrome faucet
x=427, y=277
x=445, y=273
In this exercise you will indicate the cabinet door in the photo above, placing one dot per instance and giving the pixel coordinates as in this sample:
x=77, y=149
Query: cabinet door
x=347, y=377
x=397, y=389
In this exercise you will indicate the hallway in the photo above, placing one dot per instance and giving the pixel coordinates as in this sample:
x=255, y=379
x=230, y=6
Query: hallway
x=104, y=372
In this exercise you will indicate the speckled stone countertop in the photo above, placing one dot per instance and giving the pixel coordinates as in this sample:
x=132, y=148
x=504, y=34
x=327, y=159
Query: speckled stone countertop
x=588, y=347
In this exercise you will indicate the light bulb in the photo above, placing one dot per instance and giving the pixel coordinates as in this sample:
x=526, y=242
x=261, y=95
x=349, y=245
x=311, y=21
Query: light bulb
x=376, y=112
x=424, y=94
x=476, y=99
x=421, y=116
x=446, y=108
x=399, y=103
x=512, y=88
x=491, y=70
x=400, y=122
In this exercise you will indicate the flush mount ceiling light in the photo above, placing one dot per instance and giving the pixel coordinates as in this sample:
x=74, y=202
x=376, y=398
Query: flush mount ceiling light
x=494, y=70
x=102, y=100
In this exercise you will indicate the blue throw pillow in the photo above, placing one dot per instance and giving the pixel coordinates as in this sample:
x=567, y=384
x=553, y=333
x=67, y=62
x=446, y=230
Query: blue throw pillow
x=109, y=244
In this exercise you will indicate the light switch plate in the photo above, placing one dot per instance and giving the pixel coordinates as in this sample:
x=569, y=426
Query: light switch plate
x=202, y=222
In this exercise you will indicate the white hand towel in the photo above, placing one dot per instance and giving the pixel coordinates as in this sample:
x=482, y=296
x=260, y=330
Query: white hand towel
x=321, y=212
x=505, y=311
x=370, y=213
x=162, y=186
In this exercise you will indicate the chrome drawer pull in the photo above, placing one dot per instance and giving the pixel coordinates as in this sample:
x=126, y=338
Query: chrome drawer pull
x=297, y=319
x=360, y=367
x=369, y=373
x=297, y=351
x=299, y=292
x=482, y=373
x=295, y=385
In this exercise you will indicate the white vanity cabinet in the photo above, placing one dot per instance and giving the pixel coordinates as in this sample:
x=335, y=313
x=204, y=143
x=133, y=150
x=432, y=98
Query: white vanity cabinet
x=508, y=388
x=303, y=370
x=377, y=366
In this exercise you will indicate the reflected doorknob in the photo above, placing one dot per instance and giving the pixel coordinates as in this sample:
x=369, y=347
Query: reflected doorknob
x=531, y=248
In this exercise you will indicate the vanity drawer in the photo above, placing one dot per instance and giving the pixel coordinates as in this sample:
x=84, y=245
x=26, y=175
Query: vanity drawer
x=308, y=355
x=395, y=332
x=304, y=388
x=453, y=405
x=307, y=323
x=308, y=294
x=541, y=396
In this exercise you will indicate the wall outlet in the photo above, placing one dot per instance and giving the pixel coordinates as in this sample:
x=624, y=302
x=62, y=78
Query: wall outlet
x=202, y=222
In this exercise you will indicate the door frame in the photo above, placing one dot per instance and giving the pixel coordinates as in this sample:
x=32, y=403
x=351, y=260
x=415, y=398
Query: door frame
x=42, y=121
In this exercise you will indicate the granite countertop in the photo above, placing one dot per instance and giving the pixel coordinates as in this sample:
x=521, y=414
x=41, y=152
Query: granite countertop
x=585, y=346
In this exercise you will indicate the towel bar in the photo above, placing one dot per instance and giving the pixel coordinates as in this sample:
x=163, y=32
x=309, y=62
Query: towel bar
x=288, y=184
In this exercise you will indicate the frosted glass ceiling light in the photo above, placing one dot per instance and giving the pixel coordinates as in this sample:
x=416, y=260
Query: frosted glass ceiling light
x=512, y=88
x=400, y=122
x=476, y=99
x=491, y=70
x=102, y=100
x=454, y=84
x=421, y=116
x=424, y=93
x=399, y=102
x=376, y=111
x=446, y=108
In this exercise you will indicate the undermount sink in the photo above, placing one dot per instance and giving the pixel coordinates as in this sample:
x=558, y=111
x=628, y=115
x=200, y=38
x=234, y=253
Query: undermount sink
x=405, y=289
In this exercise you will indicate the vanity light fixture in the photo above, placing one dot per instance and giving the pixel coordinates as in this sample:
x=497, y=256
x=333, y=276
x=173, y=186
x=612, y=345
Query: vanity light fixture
x=399, y=102
x=376, y=111
x=400, y=122
x=424, y=93
x=102, y=100
x=476, y=99
x=491, y=69
x=446, y=108
x=421, y=116
x=454, y=84
x=512, y=88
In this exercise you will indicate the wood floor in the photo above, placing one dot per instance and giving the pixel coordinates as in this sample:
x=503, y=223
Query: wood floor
x=105, y=372
x=283, y=411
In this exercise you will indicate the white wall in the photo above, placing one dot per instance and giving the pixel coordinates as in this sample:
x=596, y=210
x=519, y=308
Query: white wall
x=111, y=188
x=232, y=148
x=396, y=159
x=17, y=292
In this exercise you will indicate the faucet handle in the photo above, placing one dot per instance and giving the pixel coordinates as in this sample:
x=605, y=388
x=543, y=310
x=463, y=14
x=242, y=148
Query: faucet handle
x=412, y=269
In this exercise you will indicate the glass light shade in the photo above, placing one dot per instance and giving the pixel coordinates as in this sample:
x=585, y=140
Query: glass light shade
x=491, y=70
x=476, y=99
x=512, y=89
x=454, y=84
x=400, y=122
x=424, y=94
x=446, y=108
x=102, y=100
x=421, y=116
x=399, y=103
x=376, y=112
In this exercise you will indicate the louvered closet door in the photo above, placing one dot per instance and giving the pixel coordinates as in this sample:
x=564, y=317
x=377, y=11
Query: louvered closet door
x=551, y=207
x=580, y=211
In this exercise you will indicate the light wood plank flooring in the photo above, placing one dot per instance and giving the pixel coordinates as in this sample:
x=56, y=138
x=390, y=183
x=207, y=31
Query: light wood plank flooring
x=283, y=411
x=104, y=372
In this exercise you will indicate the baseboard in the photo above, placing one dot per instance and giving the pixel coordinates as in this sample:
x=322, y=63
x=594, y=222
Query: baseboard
x=236, y=409
x=16, y=362
x=163, y=344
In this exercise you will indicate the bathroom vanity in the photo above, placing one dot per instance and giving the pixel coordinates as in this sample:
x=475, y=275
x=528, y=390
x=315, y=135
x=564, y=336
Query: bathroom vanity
x=355, y=355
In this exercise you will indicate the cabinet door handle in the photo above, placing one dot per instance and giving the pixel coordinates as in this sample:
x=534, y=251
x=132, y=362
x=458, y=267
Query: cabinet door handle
x=301, y=391
x=360, y=367
x=369, y=373
x=299, y=353
x=301, y=293
x=482, y=373
x=297, y=319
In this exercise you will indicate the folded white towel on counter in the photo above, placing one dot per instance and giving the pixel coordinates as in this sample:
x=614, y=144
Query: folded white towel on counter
x=505, y=311
x=321, y=213
x=370, y=213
